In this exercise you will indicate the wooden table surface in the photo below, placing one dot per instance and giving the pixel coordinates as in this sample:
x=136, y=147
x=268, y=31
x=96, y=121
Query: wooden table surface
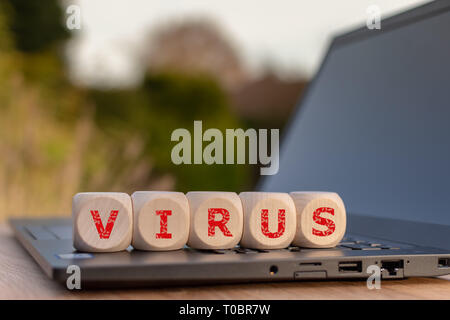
x=22, y=278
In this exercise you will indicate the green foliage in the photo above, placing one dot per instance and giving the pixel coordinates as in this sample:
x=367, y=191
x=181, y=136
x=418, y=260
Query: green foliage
x=165, y=102
x=57, y=139
x=36, y=25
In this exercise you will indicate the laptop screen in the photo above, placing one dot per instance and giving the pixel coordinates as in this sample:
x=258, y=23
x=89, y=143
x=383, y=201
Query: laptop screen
x=375, y=126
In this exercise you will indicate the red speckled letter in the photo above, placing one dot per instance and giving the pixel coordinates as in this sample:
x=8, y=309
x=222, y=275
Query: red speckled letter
x=104, y=233
x=212, y=223
x=324, y=222
x=265, y=223
x=163, y=214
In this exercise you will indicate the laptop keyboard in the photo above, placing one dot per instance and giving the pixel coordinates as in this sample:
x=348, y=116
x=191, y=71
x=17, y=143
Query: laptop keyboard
x=50, y=232
x=348, y=243
x=355, y=244
x=64, y=232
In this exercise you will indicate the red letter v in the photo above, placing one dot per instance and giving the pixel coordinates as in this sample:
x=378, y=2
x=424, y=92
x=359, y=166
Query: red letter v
x=104, y=233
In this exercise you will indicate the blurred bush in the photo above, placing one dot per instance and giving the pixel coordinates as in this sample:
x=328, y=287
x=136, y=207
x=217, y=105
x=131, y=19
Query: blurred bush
x=165, y=102
x=36, y=25
x=57, y=139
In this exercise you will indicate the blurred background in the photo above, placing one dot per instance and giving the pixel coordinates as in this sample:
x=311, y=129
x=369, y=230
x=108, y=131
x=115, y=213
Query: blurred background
x=92, y=109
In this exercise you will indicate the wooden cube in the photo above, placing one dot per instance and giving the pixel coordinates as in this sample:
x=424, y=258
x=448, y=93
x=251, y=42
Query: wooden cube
x=216, y=220
x=321, y=219
x=161, y=220
x=102, y=221
x=269, y=220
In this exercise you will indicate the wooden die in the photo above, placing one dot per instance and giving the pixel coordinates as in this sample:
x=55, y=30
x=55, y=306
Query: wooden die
x=216, y=220
x=321, y=219
x=102, y=221
x=269, y=220
x=161, y=220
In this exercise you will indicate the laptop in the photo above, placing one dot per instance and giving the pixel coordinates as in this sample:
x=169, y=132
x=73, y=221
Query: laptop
x=374, y=126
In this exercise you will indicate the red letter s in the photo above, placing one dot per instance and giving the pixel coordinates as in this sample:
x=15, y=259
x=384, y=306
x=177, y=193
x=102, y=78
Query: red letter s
x=323, y=222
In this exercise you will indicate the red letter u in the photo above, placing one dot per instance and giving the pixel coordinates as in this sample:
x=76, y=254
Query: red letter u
x=265, y=223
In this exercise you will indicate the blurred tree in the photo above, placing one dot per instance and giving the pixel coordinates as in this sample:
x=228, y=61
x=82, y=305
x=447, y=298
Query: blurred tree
x=36, y=25
x=57, y=139
x=165, y=102
x=51, y=145
x=267, y=102
x=196, y=46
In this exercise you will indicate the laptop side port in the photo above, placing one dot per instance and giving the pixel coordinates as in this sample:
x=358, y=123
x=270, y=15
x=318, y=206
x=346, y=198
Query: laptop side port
x=443, y=262
x=350, y=266
x=392, y=269
x=310, y=264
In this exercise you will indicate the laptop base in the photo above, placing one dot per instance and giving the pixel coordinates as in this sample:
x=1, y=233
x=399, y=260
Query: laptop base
x=49, y=241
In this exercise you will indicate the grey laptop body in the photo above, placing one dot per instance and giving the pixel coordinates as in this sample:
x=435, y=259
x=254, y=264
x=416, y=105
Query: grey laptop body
x=374, y=126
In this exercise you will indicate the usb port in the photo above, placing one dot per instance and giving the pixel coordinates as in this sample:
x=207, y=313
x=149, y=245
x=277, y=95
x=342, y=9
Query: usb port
x=350, y=266
x=443, y=262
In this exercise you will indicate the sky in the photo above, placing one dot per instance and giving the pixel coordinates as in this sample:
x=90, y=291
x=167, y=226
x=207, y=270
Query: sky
x=289, y=35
